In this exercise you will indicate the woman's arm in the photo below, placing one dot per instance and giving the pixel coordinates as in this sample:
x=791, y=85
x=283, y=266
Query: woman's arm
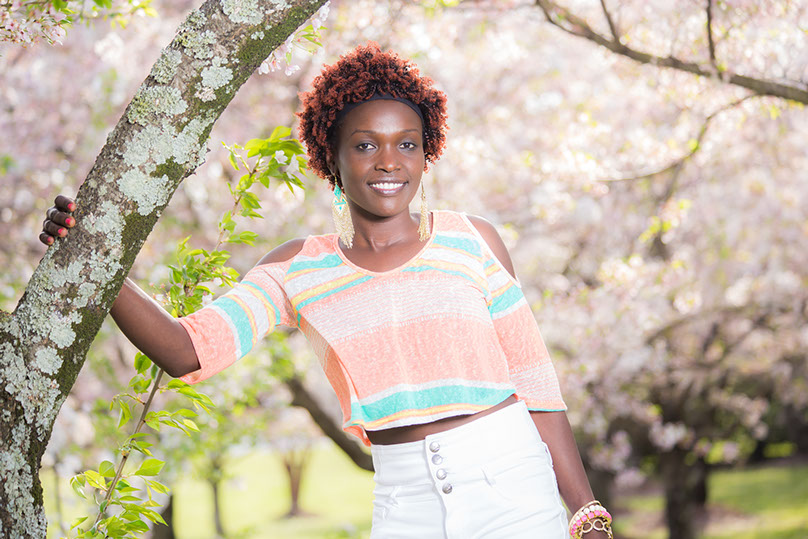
x=556, y=432
x=144, y=322
x=154, y=331
x=553, y=426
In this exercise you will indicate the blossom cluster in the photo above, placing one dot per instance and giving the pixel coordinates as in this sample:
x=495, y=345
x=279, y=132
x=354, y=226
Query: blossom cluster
x=27, y=23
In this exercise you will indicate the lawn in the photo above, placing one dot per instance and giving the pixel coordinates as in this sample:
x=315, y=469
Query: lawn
x=768, y=502
x=765, y=502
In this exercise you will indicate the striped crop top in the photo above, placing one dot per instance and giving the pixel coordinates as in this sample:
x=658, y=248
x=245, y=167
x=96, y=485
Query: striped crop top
x=446, y=334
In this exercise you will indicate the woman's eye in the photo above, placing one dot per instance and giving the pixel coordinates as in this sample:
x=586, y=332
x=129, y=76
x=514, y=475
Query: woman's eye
x=364, y=146
x=408, y=145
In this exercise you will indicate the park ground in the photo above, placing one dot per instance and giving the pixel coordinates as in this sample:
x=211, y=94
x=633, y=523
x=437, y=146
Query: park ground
x=768, y=501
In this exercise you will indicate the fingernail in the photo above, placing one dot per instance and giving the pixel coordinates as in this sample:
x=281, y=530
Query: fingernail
x=71, y=206
x=62, y=231
x=50, y=241
x=70, y=221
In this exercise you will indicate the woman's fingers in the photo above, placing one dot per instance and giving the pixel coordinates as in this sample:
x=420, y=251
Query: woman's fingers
x=47, y=239
x=54, y=229
x=65, y=204
x=60, y=218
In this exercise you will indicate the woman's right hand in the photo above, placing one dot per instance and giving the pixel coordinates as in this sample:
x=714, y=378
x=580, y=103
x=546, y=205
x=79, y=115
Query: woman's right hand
x=58, y=220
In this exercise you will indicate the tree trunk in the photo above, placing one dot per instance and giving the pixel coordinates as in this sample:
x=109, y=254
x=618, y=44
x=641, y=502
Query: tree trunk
x=217, y=511
x=349, y=445
x=295, y=464
x=160, y=531
x=685, y=493
x=160, y=141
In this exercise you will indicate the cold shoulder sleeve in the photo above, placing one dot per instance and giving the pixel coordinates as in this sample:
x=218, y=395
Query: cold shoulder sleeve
x=224, y=331
x=529, y=365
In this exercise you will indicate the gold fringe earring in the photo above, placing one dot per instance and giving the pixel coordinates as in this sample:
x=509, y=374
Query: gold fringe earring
x=342, y=216
x=423, y=226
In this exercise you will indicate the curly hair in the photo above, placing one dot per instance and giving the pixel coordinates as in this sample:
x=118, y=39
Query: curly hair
x=356, y=77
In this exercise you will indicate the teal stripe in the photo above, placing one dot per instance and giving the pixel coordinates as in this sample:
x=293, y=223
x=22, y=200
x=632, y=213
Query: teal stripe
x=330, y=261
x=470, y=246
x=506, y=300
x=427, y=398
x=268, y=298
x=324, y=295
x=240, y=321
x=488, y=263
x=432, y=268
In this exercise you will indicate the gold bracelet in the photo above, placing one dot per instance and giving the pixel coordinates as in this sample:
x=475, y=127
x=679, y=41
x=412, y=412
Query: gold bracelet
x=593, y=525
x=591, y=515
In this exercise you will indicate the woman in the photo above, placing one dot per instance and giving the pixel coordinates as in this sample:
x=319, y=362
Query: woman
x=418, y=320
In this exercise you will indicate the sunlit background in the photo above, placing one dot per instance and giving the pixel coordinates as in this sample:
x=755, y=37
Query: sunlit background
x=658, y=220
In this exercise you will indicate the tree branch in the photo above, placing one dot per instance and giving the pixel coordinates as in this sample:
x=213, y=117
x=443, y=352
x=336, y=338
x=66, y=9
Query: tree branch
x=710, y=41
x=612, y=26
x=302, y=398
x=574, y=25
x=695, y=146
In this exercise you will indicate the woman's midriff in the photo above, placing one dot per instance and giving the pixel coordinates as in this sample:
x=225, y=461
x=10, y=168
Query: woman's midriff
x=414, y=433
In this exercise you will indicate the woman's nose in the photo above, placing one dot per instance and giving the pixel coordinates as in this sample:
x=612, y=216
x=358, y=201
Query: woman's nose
x=387, y=160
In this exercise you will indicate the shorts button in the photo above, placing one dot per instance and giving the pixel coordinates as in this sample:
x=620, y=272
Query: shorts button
x=434, y=447
x=447, y=488
x=441, y=474
x=436, y=459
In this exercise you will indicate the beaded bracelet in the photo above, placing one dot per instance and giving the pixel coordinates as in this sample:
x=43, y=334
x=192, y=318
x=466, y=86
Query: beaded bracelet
x=592, y=516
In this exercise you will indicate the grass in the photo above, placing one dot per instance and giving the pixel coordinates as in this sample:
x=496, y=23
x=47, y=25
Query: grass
x=764, y=502
x=768, y=502
x=335, y=493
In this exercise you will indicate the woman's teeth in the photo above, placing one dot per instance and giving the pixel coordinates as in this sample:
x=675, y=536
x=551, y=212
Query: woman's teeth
x=387, y=187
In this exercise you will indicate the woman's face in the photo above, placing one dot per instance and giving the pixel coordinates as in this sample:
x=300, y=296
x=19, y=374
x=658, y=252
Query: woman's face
x=379, y=157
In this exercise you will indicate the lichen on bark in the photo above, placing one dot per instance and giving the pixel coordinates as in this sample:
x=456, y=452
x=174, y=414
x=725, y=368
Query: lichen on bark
x=160, y=140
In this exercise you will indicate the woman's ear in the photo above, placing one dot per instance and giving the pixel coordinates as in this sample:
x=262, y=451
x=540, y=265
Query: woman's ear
x=334, y=171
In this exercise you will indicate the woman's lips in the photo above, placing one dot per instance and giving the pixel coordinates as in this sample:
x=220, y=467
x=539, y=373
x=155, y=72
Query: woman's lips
x=387, y=188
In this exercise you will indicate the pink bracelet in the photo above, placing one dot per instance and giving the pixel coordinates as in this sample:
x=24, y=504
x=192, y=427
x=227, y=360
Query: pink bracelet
x=590, y=512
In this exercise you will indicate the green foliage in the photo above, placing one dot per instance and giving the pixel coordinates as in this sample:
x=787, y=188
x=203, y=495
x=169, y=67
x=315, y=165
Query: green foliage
x=125, y=500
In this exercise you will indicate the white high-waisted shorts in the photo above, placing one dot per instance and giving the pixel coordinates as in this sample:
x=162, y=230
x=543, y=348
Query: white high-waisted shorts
x=490, y=478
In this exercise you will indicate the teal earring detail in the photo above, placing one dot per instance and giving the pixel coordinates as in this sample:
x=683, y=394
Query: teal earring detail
x=342, y=217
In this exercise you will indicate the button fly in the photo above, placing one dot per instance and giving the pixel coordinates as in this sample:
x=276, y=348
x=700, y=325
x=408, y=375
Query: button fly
x=441, y=474
x=436, y=459
x=447, y=488
x=434, y=447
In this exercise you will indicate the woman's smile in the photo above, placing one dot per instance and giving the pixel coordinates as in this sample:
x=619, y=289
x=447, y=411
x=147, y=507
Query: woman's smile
x=388, y=187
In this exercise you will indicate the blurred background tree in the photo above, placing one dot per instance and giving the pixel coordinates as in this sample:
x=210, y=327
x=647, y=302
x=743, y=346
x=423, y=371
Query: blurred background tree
x=644, y=160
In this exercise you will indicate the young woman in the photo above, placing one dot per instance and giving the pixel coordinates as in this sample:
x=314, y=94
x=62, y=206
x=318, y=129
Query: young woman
x=418, y=320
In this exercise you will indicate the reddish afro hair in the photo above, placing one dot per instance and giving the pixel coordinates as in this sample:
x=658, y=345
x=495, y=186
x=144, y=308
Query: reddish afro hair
x=356, y=77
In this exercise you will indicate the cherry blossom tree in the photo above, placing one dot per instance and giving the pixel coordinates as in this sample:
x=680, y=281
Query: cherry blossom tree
x=644, y=161
x=160, y=140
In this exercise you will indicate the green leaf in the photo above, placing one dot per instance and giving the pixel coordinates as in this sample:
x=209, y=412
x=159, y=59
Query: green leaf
x=176, y=383
x=77, y=482
x=106, y=469
x=126, y=413
x=233, y=161
x=142, y=363
x=150, y=467
x=158, y=486
x=190, y=424
x=77, y=522
x=94, y=479
x=279, y=132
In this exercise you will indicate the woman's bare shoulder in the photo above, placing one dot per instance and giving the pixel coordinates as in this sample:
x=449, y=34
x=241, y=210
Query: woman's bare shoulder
x=283, y=252
x=494, y=240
